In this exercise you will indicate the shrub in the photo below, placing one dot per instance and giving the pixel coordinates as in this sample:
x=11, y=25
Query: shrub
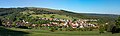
x=23, y=27
x=116, y=27
x=1, y=23
x=101, y=29
x=115, y=30
x=53, y=29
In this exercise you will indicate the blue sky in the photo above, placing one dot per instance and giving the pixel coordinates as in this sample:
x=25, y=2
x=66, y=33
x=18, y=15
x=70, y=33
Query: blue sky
x=79, y=6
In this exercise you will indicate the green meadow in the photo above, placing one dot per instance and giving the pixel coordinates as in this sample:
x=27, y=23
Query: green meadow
x=39, y=32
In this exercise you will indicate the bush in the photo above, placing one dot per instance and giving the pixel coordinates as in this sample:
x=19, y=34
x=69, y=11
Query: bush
x=23, y=27
x=101, y=29
x=115, y=30
x=53, y=29
x=61, y=29
x=1, y=23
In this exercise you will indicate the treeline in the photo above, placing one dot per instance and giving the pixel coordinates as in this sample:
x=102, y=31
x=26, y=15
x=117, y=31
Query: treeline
x=6, y=11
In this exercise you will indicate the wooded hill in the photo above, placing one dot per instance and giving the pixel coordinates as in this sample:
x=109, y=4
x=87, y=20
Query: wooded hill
x=15, y=12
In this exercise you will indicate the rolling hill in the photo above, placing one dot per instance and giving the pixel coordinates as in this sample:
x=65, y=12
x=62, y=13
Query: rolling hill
x=33, y=11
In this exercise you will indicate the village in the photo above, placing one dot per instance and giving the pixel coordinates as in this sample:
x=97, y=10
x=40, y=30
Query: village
x=63, y=23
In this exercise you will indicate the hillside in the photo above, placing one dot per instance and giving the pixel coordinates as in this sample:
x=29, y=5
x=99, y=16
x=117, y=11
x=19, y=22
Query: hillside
x=46, y=13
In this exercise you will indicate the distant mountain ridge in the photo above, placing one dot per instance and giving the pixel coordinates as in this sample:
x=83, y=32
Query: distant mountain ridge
x=101, y=15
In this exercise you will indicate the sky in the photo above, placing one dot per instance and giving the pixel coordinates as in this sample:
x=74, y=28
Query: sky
x=78, y=6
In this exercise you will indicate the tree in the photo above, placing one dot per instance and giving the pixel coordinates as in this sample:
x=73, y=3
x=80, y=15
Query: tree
x=118, y=22
x=101, y=29
x=0, y=22
x=52, y=16
x=44, y=15
x=116, y=28
x=74, y=20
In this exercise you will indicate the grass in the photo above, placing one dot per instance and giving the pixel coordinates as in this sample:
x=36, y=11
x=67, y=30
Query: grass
x=49, y=16
x=39, y=32
x=9, y=32
x=27, y=12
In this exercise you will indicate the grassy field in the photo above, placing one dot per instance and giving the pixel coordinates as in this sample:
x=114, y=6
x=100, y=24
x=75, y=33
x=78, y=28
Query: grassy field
x=48, y=15
x=38, y=32
x=55, y=16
